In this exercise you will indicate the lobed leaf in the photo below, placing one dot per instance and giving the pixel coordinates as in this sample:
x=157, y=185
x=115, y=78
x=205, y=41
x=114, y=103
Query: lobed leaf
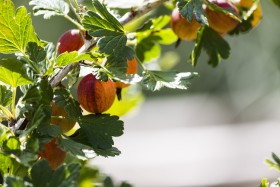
x=97, y=131
x=213, y=43
x=155, y=80
x=104, y=25
x=49, y=8
x=16, y=29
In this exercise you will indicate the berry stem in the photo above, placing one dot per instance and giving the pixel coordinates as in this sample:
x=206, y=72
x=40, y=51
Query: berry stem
x=74, y=8
x=74, y=22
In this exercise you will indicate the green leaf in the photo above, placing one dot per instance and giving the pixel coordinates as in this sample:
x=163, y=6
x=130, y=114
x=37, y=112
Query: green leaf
x=188, y=8
x=98, y=131
x=276, y=158
x=5, y=133
x=13, y=73
x=148, y=49
x=50, y=50
x=155, y=80
x=37, y=108
x=213, y=43
x=49, y=8
x=11, y=166
x=130, y=100
x=37, y=56
x=151, y=35
x=264, y=183
x=14, y=181
x=117, y=62
x=87, y=176
x=125, y=184
x=215, y=46
x=276, y=2
x=165, y=36
x=41, y=173
x=154, y=25
x=16, y=28
x=36, y=53
x=73, y=76
x=39, y=93
x=197, y=47
x=160, y=22
x=63, y=98
x=41, y=117
x=50, y=130
x=11, y=145
x=65, y=175
x=108, y=44
x=72, y=57
x=108, y=182
x=78, y=150
x=104, y=24
x=107, y=27
x=5, y=96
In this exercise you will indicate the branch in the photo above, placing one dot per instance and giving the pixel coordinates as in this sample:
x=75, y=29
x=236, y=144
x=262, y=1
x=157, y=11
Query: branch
x=133, y=14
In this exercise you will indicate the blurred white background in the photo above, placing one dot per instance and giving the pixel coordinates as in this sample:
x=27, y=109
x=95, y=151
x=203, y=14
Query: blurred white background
x=220, y=131
x=217, y=133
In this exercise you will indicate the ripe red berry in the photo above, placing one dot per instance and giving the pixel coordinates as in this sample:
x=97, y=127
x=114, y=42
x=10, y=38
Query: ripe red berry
x=71, y=40
x=219, y=21
x=53, y=154
x=96, y=96
x=184, y=29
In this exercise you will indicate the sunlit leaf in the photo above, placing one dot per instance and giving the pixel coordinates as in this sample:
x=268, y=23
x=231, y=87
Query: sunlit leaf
x=16, y=28
x=49, y=8
x=103, y=24
x=72, y=57
x=148, y=49
x=155, y=80
x=13, y=73
x=264, y=183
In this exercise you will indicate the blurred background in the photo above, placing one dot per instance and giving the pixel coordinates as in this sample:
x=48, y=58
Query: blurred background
x=217, y=133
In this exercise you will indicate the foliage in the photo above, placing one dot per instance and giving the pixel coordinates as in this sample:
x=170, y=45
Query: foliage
x=34, y=76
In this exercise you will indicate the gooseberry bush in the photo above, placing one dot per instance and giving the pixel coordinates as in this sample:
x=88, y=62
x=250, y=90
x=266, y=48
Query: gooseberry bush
x=55, y=118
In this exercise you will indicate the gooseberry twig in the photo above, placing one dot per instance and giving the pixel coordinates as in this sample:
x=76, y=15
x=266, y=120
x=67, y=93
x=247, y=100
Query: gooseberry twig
x=133, y=14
